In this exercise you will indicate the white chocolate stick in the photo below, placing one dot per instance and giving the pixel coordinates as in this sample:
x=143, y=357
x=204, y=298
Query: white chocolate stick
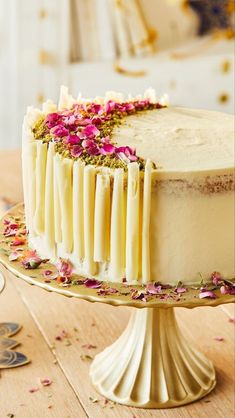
x=117, y=239
x=49, y=201
x=31, y=174
x=57, y=209
x=89, y=208
x=27, y=139
x=78, y=211
x=102, y=218
x=65, y=183
x=146, y=273
x=39, y=217
x=132, y=223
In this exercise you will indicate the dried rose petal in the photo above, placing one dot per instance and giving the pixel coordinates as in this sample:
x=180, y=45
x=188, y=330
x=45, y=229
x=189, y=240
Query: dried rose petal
x=90, y=131
x=46, y=381
x=18, y=241
x=76, y=151
x=107, y=149
x=73, y=139
x=153, y=289
x=92, y=283
x=96, y=108
x=50, y=275
x=52, y=119
x=14, y=256
x=89, y=346
x=69, y=120
x=11, y=229
x=181, y=290
x=219, y=338
x=32, y=390
x=60, y=131
x=227, y=290
x=64, y=268
x=110, y=106
x=207, y=294
x=232, y=320
x=216, y=278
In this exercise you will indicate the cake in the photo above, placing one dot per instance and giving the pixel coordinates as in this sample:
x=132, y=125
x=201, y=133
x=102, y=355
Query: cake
x=130, y=189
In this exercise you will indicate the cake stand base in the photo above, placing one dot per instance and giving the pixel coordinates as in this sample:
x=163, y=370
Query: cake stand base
x=151, y=365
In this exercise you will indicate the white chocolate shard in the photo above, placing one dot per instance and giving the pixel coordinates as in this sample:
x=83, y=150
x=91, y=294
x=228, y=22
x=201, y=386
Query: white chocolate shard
x=65, y=184
x=78, y=209
x=89, y=209
x=31, y=117
x=117, y=238
x=164, y=100
x=102, y=218
x=132, y=223
x=31, y=153
x=49, y=201
x=151, y=95
x=57, y=209
x=146, y=273
x=66, y=100
x=41, y=160
x=49, y=107
x=113, y=95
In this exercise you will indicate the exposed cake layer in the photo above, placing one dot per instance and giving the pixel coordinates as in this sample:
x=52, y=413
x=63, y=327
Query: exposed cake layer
x=169, y=224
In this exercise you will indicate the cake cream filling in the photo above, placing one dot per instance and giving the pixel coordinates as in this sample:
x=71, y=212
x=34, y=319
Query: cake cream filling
x=161, y=225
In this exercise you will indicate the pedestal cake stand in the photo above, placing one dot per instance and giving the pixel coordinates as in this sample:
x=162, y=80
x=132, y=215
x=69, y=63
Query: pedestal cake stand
x=151, y=365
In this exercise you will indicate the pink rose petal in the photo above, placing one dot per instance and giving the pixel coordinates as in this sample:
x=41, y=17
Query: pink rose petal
x=219, y=338
x=89, y=346
x=17, y=241
x=64, y=268
x=33, y=390
x=90, y=131
x=76, y=151
x=46, y=381
x=207, y=294
x=60, y=131
x=52, y=119
x=92, y=283
x=216, y=278
x=153, y=289
x=14, y=256
x=181, y=290
x=107, y=149
x=73, y=139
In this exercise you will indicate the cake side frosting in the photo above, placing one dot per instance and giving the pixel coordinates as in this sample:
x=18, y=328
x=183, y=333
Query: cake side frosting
x=151, y=224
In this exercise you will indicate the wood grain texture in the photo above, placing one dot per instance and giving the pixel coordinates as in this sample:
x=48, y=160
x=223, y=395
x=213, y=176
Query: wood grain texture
x=57, y=400
x=45, y=315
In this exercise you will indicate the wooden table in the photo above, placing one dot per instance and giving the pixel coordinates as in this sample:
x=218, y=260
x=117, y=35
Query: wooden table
x=46, y=316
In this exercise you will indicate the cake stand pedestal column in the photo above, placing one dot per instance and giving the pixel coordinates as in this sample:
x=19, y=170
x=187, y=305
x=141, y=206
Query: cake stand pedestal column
x=151, y=365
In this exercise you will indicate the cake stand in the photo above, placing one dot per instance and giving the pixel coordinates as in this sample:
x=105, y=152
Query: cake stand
x=151, y=365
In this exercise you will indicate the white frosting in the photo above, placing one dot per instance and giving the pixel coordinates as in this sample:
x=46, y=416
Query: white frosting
x=179, y=139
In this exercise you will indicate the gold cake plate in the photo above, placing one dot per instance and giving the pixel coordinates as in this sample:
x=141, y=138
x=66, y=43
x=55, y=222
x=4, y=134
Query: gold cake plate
x=151, y=365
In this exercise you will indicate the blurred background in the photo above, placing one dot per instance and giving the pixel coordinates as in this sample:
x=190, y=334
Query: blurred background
x=183, y=48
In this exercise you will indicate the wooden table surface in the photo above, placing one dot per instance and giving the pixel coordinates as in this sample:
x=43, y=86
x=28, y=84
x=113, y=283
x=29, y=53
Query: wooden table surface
x=45, y=316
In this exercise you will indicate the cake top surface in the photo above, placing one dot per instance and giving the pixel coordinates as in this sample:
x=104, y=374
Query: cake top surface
x=181, y=139
x=114, y=132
